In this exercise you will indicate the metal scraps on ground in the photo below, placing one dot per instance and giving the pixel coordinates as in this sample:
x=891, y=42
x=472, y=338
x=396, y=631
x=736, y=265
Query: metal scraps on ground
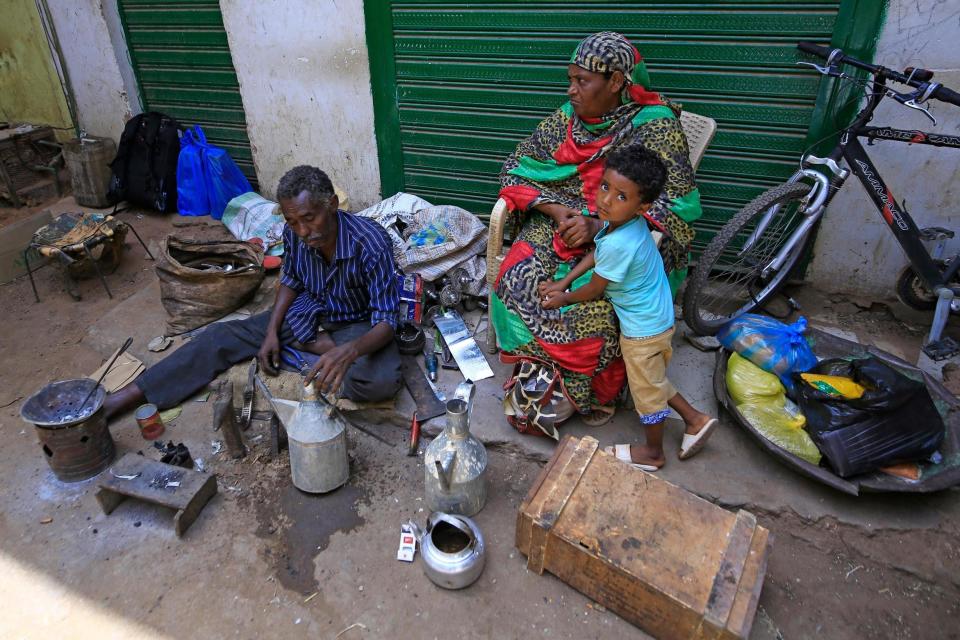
x=127, y=477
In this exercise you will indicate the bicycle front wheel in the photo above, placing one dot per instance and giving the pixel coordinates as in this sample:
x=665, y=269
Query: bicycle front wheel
x=731, y=278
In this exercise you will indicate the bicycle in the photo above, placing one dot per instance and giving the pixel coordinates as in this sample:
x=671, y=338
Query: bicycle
x=754, y=253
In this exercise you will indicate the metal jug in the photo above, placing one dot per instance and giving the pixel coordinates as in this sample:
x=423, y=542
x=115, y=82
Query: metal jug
x=455, y=463
x=452, y=550
x=317, y=440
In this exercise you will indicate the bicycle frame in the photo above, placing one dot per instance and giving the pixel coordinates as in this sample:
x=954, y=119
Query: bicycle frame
x=850, y=149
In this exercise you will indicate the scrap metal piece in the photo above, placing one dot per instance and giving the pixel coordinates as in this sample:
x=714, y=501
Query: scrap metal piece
x=224, y=418
x=428, y=404
x=248, y=391
x=464, y=348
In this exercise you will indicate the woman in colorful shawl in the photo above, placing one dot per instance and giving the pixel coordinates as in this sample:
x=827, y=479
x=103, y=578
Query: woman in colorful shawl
x=551, y=182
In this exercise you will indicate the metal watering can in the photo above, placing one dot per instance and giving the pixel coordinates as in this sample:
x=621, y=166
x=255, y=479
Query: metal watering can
x=317, y=440
x=455, y=463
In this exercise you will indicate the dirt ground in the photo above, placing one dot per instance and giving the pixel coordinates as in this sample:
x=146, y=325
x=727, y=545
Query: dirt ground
x=265, y=560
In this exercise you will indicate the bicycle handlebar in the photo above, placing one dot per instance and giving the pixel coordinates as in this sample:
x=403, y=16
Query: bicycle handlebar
x=937, y=90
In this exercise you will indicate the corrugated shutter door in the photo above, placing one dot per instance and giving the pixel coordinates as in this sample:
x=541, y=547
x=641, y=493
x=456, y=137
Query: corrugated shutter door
x=182, y=63
x=468, y=80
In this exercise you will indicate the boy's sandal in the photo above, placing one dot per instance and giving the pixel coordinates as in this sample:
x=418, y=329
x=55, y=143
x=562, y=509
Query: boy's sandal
x=596, y=418
x=622, y=453
x=692, y=444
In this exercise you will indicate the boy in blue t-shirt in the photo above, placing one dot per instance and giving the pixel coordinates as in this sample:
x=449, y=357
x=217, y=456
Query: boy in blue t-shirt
x=629, y=270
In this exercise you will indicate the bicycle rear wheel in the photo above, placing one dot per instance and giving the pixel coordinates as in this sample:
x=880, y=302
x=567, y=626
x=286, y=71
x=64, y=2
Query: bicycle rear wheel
x=728, y=280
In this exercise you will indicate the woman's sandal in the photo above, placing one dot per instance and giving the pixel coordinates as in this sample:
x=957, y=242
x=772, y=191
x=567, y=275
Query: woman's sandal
x=692, y=444
x=622, y=453
x=596, y=418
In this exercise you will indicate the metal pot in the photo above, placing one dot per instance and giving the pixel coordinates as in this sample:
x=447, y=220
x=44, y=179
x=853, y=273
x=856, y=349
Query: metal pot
x=452, y=550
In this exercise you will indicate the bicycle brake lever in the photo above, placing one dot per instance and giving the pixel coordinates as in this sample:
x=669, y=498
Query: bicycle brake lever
x=827, y=70
x=913, y=105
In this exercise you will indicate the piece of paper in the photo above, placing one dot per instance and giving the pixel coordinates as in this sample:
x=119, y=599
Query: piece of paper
x=473, y=364
x=122, y=372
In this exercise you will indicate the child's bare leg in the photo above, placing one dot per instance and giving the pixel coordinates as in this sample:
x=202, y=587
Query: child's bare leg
x=652, y=452
x=693, y=419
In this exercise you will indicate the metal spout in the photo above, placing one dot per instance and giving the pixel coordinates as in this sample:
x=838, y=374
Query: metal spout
x=445, y=468
x=458, y=419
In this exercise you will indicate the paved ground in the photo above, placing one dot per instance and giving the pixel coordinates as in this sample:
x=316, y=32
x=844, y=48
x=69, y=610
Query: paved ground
x=264, y=560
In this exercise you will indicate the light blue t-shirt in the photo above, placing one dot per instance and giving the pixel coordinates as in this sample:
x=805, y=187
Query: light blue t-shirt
x=638, y=287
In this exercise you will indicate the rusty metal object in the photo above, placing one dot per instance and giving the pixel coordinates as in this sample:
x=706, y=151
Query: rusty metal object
x=76, y=445
x=226, y=420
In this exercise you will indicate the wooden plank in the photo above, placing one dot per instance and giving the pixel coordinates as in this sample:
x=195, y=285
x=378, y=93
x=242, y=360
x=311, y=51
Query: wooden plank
x=134, y=476
x=727, y=579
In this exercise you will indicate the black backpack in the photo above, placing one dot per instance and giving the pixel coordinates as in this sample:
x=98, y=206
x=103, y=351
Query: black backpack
x=145, y=169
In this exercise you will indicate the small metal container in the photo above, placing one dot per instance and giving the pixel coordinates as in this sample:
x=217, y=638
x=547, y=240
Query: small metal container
x=75, y=440
x=148, y=417
x=452, y=550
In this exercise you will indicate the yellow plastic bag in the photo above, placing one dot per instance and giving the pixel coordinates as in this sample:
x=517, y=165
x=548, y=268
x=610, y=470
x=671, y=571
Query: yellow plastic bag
x=782, y=424
x=747, y=382
x=838, y=386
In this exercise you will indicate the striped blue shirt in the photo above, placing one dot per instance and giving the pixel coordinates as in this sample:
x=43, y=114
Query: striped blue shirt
x=358, y=285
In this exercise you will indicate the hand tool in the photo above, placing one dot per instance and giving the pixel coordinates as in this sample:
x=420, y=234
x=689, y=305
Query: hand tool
x=126, y=345
x=414, y=436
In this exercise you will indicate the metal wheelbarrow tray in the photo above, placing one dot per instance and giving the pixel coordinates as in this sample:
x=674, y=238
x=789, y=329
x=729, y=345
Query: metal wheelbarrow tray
x=933, y=477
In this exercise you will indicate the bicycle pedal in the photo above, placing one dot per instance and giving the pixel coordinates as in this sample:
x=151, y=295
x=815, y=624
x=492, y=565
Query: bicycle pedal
x=942, y=349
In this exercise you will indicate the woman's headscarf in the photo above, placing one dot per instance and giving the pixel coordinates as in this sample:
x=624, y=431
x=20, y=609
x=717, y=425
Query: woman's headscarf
x=608, y=51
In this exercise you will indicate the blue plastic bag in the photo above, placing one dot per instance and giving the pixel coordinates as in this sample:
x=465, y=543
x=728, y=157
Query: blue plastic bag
x=770, y=344
x=224, y=179
x=192, y=199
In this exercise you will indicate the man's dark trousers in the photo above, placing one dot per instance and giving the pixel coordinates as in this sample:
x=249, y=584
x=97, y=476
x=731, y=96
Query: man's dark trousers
x=370, y=378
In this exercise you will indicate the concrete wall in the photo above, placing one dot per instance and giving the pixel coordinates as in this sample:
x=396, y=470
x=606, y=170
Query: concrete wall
x=29, y=87
x=305, y=83
x=855, y=251
x=103, y=103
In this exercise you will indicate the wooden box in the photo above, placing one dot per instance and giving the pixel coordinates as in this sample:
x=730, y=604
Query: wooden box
x=662, y=558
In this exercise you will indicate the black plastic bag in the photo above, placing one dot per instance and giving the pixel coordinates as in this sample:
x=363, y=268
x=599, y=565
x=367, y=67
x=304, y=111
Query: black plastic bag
x=894, y=421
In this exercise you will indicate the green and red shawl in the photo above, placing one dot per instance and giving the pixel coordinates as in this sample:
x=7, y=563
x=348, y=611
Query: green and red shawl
x=562, y=162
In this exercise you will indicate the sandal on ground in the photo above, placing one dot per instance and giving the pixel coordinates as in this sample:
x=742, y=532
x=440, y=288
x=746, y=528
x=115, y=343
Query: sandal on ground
x=692, y=444
x=596, y=418
x=622, y=453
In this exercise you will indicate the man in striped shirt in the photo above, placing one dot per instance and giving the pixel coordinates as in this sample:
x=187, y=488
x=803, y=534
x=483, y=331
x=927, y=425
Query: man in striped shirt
x=337, y=298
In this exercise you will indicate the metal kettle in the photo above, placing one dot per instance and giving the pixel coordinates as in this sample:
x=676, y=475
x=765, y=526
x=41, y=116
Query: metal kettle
x=455, y=463
x=452, y=550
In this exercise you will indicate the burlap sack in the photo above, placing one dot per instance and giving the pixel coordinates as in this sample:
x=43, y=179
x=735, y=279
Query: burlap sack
x=195, y=295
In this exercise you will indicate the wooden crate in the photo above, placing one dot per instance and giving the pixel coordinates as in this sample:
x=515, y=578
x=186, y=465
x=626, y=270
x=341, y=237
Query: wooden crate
x=662, y=558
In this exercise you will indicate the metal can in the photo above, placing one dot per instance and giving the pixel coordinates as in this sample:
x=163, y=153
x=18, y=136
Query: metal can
x=148, y=417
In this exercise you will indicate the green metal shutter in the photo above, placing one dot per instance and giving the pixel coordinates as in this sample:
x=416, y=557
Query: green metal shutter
x=182, y=62
x=457, y=85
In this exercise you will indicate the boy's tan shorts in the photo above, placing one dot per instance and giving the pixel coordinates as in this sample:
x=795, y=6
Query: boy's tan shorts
x=647, y=360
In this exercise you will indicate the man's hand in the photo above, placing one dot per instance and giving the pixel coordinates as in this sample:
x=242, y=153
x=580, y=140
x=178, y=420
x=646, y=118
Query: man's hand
x=269, y=354
x=578, y=230
x=330, y=369
x=555, y=300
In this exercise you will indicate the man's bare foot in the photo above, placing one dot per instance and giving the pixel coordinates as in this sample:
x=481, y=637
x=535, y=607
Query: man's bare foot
x=642, y=454
x=694, y=426
x=122, y=399
x=320, y=346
